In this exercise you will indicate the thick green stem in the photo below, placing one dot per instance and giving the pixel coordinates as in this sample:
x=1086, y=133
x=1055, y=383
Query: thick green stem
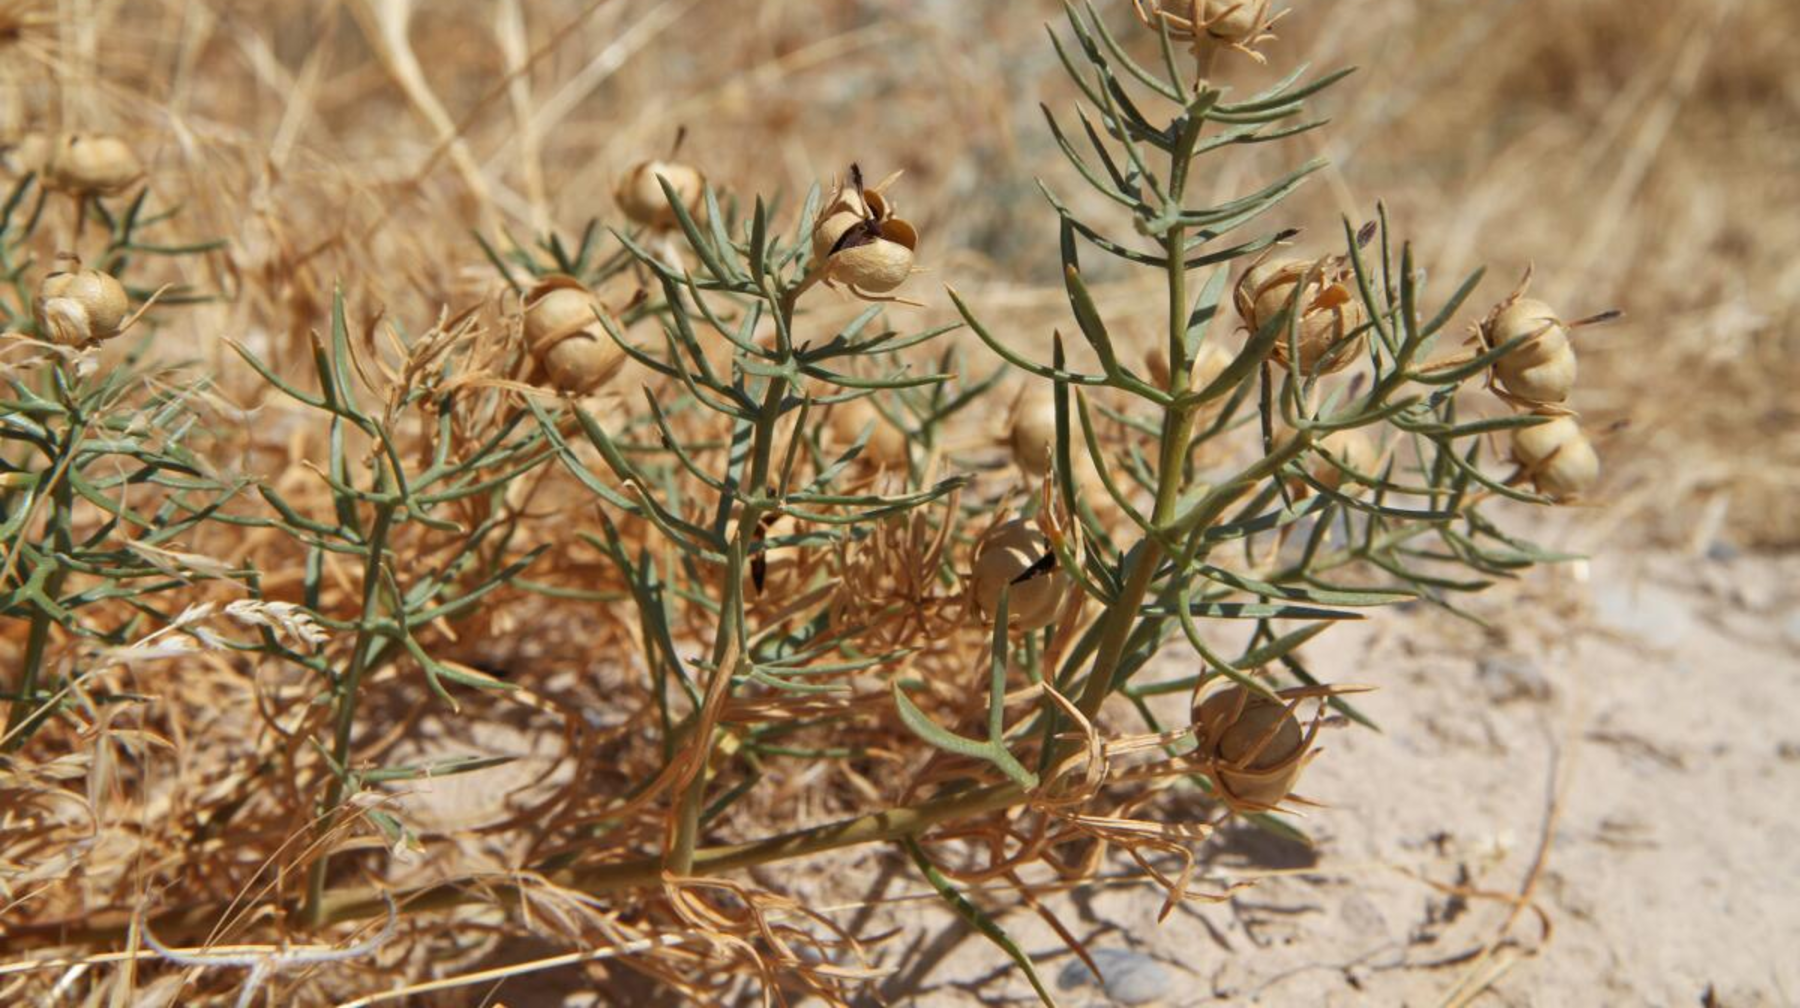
x=347, y=693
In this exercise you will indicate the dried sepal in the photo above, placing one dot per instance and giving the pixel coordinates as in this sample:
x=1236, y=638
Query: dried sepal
x=857, y=240
x=563, y=334
x=1330, y=312
x=81, y=306
x=1017, y=557
x=1557, y=457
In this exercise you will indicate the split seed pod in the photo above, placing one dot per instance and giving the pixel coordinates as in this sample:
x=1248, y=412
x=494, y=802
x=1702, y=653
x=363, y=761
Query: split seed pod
x=1542, y=369
x=857, y=241
x=1010, y=552
x=1252, y=747
x=1329, y=309
x=91, y=164
x=564, y=335
x=1558, y=457
x=886, y=446
x=80, y=307
x=642, y=198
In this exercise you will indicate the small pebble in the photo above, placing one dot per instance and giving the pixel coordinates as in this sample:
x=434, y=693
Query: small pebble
x=1132, y=978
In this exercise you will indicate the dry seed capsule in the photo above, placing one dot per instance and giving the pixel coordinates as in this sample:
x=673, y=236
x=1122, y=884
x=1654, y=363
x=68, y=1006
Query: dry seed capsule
x=875, y=258
x=857, y=240
x=564, y=335
x=1234, y=20
x=1005, y=553
x=642, y=198
x=1542, y=369
x=1354, y=448
x=1559, y=458
x=886, y=446
x=1329, y=311
x=1033, y=434
x=91, y=164
x=1254, y=747
x=80, y=307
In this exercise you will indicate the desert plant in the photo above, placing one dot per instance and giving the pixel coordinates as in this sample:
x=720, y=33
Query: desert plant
x=807, y=563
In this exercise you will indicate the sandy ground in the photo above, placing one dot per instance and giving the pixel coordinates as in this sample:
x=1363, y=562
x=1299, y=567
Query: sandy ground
x=1620, y=730
x=1624, y=721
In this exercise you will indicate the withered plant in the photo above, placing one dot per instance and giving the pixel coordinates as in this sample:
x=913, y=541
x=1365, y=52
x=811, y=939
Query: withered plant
x=742, y=554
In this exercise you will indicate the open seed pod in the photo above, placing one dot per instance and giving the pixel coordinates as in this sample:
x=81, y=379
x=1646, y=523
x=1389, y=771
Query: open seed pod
x=1558, y=458
x=857, y=241
x=1253, y=748
x=1542, y=370
x=564, y=335
x=79, y=307
x=1002, y=557
x=642, y=198
x=91, y=164
x=1330, y=311
x=886, y=447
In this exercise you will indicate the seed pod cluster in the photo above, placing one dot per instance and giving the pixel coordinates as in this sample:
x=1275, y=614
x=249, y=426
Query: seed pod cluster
x=859, y=242
x=1541, y=371
x=886, y=447
x=85, y=164
x=641, y=196
x=1016, y=557
x=80, y=306
x=1252, y=747
x=1330, y=313
x=1557, y=457
x=564, y=335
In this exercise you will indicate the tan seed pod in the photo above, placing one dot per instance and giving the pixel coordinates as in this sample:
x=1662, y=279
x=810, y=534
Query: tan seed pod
x=1233, y=22
x=1033, y=434
x=564, y=335
x=80, y=307
x=1354, y=448
x=887, y=444
x=91, y=164
x=1329, y=311
x=1252, y=747
x=1558, y=457
x=859, y=242
x=879, y=265
x=643, y=200
x=1542, y=370
x=1005, y=553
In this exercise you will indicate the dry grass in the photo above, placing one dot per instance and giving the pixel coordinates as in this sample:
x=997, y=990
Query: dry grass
x=1641, y=155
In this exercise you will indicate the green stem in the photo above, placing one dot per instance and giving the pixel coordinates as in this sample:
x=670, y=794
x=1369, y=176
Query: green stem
x=348, y=688
x=25, y=713
x=680, y=859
